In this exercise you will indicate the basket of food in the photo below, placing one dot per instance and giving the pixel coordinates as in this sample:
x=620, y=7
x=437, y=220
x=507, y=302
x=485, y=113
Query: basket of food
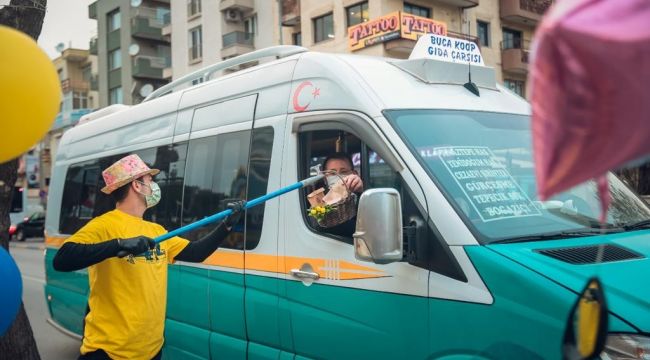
x=332, y=207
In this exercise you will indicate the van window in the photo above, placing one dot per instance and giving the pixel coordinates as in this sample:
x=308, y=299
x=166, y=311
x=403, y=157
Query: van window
x=423, y=245
x=83, y=200
x=170, y=160
x=217, y=173
x=78, y=201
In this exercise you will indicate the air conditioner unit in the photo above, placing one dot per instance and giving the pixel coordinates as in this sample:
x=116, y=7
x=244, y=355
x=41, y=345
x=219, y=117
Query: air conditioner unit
x=233, y=15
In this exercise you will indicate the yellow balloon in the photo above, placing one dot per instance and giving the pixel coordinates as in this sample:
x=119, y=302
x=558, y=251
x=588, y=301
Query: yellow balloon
x=30, y=93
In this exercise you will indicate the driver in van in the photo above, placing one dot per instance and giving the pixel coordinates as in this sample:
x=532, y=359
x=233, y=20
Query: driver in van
x=341, y=164
x=127, y=270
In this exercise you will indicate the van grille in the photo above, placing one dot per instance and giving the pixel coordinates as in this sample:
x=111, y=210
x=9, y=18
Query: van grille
x=589, y=254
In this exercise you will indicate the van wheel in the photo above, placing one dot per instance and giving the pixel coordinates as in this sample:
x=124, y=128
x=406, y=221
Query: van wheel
x=20, y=235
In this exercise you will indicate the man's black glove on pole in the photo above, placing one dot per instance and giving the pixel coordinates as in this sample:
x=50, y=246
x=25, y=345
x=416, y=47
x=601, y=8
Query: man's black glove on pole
x=134, y=246
x=237, y=208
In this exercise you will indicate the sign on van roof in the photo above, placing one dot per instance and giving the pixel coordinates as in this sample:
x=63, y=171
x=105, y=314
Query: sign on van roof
x=445, y=48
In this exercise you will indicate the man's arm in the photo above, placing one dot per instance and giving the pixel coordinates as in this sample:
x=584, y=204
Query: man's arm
x=198, y=251
x=75, y=256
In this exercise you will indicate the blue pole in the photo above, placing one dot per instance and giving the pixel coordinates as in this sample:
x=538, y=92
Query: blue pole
x=222, y=215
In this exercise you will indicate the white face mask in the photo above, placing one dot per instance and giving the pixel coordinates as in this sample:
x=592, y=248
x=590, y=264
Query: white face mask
x=154, y=198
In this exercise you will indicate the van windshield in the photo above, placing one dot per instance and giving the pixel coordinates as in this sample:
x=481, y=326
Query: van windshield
x=483, y=164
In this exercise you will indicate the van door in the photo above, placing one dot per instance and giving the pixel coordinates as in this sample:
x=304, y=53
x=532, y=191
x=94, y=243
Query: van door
x=261, y=249
x=206, y=316
x=347, y=309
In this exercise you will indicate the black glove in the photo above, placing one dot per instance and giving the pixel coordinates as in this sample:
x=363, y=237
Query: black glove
x=134, y=246
x=237, y=208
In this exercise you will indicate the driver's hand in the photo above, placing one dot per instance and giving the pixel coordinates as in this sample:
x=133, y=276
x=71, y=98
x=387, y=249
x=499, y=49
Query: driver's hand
x=354, y=183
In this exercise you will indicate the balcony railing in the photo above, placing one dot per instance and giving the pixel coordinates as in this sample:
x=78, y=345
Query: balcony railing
x=150, y=67
x=237, y=37
x=535, y=6
x=458, y=35
x=76, y=85
x=94, y=82
x=92, y=10
x=528, y=12
x=290, y=12
x=514, y=55
x=92, y=46
x=148, y=23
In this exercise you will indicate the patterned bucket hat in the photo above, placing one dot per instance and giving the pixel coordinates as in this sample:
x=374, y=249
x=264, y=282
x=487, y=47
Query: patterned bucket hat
x=124, y=171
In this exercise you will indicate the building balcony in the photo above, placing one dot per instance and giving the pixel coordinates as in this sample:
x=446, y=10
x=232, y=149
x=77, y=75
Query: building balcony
x=239, y=5
x=92, y=11
x=527, y=12
x=147, y=27
x=290, y=12
x=237, y=43
x=68, y=85
x=514, y=56
x=237, y=38
x=94, y=82
x=113, y=40
x=461, y=3
x=149, y=67
x=114, y=78
x=167, y=25
x=92, y=46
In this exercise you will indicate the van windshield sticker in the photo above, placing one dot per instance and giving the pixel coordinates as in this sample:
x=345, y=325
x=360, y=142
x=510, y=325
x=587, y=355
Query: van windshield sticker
x=486, y=183
x=445, y=48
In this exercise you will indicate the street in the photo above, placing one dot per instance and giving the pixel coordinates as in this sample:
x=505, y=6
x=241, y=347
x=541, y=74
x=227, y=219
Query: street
x=52, y=344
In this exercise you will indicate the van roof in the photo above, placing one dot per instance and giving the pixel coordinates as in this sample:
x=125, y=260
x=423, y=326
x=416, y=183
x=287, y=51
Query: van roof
x=335, y=82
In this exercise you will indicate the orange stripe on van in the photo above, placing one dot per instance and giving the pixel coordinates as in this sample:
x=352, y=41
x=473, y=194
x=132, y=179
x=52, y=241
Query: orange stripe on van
x=54, y=241
x=326, y=268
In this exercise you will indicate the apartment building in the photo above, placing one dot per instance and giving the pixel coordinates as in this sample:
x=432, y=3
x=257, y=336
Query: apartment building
x=131, y=49
x=77, y=71
x=203, y=32
x=503, y=28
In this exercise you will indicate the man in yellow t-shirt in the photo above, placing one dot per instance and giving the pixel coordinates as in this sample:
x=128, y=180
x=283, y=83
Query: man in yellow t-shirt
x=127, y=270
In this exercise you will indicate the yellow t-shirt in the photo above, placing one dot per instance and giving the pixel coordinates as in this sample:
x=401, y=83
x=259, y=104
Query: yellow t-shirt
x=127, y=297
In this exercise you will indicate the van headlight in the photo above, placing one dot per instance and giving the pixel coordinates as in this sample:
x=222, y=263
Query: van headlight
x=626, y=347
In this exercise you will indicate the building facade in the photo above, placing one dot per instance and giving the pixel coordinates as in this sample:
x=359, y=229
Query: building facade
x=204, y=32
x=77, y=71
x=131, y=49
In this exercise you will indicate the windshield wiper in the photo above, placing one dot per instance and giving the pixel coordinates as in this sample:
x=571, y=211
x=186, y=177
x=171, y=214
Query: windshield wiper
x=558, y=235
x=637, y=225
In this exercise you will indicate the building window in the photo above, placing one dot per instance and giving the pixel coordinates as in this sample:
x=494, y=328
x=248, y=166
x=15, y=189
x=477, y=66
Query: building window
x=195, y=44
x=511, y=39
x=114, y=20
x=193, y=7
x=417, y=10
x=297, y=38
x=517, y=86
x=324, y=28
x=356, y=14
x=250, y=25
x=79, y=100
x=483, y=32
x=114, y=59
x=115, y=96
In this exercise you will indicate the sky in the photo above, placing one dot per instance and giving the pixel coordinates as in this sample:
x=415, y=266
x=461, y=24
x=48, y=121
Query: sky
x=67, y=22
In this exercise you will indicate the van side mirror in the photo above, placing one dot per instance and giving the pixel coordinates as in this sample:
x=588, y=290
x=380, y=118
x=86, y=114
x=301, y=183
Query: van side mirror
x=378, y=235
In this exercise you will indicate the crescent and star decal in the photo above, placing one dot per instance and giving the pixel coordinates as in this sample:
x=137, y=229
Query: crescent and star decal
x=296, y=102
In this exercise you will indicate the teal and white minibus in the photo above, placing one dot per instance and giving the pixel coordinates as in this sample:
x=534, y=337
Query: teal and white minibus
x=459, y=261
